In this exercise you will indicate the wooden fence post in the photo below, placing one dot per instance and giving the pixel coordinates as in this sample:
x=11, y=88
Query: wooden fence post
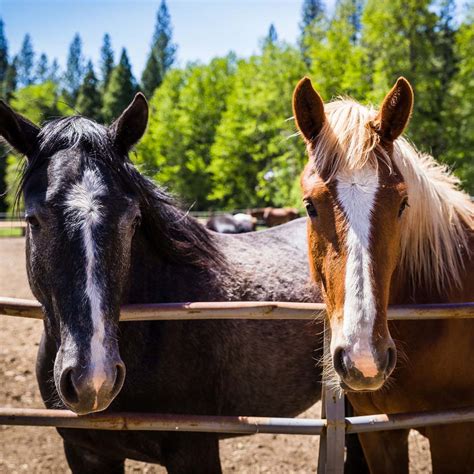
x=332, y=440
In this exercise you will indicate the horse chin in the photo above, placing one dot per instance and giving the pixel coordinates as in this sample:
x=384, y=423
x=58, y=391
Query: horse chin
x=361, y=387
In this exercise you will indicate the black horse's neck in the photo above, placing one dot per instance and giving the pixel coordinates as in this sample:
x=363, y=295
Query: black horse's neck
x=174, y=257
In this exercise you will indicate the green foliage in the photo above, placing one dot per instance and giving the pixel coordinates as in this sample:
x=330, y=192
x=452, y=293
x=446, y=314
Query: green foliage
x=253, y=160
x=312, y=14
x=162, y=53
x=338, y=61
x=459, y=117
x=120, y=90
x=11, y=80
x=218, y=134
x=25, y=64
x=37, y=102
x=89, y=99
x=185, y=112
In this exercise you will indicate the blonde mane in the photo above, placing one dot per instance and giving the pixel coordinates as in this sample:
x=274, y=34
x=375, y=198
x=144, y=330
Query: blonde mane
x=435, y=228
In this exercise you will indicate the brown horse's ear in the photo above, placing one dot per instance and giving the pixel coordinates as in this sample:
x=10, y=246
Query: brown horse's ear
x=308, y=109
x=18, y=131
x=395, y=112
x=131, y=125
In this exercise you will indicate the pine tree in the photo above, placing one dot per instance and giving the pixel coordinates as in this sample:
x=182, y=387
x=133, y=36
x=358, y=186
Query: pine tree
x=272, y=36
x=3, y=53
x=53, y=73
x=42, y=68
x=10, y=83
x=162, y=53
x=25, y=64
x=106, y=60
x=355, y=10
x=74, y=70
x=89, y=101
x=312, y=13
x=121, y=89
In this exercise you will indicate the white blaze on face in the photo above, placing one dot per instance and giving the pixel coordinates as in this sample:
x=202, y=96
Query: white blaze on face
x=84, y=213
x=356, y=194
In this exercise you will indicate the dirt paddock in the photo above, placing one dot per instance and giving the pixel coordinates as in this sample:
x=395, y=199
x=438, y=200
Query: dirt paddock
x=34, y=450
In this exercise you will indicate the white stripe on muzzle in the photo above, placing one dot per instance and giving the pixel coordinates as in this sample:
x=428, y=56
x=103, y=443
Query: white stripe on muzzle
x=84, y=213
x=356, y=193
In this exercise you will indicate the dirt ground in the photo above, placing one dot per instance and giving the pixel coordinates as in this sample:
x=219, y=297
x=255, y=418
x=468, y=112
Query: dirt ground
x=34, y=450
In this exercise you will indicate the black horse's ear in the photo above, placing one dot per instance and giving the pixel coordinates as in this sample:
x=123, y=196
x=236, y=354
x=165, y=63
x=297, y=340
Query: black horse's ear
x=17, y=130
x=131, y=125
x=395, y=111
x=308, y=110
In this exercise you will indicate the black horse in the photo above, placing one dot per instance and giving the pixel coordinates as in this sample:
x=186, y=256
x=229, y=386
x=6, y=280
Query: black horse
x=100, y=235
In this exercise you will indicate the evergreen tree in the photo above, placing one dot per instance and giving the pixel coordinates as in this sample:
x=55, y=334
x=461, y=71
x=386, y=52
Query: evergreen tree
x=10, y=83
x=53, y=73
x=3, y=53
x=354, y=11
x=312, y=13
x=42, y=68
x=272, y=36
x=89, y=101
x=74, y=70
x=106, y=60
x=311, y=10
x=162, y=53
x=120, y=91
x=25, y=64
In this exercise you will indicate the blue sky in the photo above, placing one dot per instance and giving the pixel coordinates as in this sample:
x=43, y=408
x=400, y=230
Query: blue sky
x=202, y=29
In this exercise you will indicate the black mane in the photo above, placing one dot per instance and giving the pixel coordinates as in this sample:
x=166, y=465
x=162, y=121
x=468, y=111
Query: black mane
x=174, y=234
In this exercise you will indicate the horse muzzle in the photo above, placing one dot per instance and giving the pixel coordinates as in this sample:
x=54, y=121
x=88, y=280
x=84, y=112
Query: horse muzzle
x=364, y=372
x=91, y=389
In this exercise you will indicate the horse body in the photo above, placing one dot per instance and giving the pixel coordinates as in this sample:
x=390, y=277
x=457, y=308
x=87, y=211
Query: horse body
x=387, y=225
x=240, y=367
x=100, y=235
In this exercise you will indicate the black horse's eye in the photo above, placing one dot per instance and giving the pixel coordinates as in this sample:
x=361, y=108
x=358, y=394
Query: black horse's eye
x=403, y=206
x=310, y=209
x=32, y=221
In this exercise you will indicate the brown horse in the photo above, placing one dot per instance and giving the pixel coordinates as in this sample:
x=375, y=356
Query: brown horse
x=387, y=225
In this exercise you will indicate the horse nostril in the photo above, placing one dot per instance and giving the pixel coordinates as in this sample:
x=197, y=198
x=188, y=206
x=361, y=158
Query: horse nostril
x=119, y=378
x=68, y=390
x=391, y=361
x=338, y=362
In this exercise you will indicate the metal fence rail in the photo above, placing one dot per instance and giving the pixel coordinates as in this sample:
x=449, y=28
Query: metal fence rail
x=331, y=428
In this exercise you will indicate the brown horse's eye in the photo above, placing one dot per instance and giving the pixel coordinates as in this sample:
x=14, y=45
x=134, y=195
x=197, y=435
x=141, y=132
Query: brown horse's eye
x=310, y=209
x=403, y=206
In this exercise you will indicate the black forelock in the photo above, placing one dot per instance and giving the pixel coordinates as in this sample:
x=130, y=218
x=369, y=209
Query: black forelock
x=173, y=232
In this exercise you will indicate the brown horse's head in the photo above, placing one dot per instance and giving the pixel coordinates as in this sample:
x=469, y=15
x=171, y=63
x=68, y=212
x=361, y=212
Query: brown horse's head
x=355, y=197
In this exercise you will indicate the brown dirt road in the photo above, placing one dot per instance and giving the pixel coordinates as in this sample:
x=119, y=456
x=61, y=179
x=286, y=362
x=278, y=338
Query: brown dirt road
x=39, y=450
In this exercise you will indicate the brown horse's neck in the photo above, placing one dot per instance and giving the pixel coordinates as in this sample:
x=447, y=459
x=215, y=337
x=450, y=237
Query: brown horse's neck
x=403, y=291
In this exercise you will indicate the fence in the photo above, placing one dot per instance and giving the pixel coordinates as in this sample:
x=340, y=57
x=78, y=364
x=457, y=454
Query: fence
x=333, y=425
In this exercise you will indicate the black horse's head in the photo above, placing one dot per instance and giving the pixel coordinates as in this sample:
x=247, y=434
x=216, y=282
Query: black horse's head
x=82, y=212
